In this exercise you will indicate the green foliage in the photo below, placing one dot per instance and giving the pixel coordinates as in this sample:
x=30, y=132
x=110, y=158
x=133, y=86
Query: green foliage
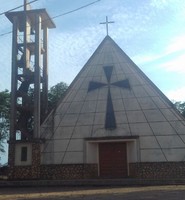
x=181, y=107
x=56, y=93
x=4, y=117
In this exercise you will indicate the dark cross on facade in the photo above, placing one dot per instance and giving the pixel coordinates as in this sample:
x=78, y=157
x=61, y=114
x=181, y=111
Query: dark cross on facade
x=107, y=24
x=110, y=121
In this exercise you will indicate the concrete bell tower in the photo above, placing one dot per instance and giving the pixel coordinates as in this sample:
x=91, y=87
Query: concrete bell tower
x=29, y=86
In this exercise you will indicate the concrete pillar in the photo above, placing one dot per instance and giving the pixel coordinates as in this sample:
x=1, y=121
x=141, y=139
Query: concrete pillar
x=37, y=76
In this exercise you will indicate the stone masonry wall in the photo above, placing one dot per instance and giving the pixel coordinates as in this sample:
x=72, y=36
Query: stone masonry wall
x=69, y=171
x=11, y=160
x=157, y=170
x=147, y=170
x=38, y=171
x=62, y=172
x=24, y=172
x=21, y=173
x=36, y=152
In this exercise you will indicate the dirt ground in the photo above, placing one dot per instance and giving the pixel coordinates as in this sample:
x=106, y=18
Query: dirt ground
x=94, y=193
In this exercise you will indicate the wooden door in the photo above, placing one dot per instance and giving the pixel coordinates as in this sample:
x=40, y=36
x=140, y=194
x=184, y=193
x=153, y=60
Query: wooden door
x=113, y=160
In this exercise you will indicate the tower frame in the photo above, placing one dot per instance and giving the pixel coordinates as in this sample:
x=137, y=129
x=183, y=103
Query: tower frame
x=29, y=80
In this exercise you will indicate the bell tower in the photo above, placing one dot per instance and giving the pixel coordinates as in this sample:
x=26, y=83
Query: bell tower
x=29, y=85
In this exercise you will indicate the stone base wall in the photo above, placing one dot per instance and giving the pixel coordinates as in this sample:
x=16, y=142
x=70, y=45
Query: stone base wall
x=147, y=170
x=17, y=172
x=4, y=171
x=20, y=172
x=157, y=170
x=69, y=171
x=49, y=172
x=24, y=173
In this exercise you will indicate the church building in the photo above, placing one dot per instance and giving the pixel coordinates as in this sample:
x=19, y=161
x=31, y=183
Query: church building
x=113, y=122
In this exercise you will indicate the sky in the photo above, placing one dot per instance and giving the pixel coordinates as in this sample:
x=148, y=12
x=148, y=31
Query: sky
x=150, y=32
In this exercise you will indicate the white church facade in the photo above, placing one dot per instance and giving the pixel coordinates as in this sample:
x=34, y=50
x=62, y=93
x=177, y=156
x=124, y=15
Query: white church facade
x=113, y=122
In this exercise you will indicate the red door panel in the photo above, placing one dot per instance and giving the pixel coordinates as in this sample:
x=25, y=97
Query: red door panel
x=113, y=160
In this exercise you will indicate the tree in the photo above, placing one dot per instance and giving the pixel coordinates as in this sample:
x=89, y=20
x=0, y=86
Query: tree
x=55, y=93
x=181, y=107
x=4, y=117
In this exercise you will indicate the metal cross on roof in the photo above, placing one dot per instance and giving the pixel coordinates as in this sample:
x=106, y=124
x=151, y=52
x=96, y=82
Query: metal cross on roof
x=107, y=23
x=110, y=121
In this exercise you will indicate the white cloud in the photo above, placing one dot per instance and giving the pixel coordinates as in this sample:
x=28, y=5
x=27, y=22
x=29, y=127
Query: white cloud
x=159, y=3
x=143, y=59
x=127, y=24
x=171, y=58
x=177, y=64
x=176, y=95
x=70, y=51
x=176, y=44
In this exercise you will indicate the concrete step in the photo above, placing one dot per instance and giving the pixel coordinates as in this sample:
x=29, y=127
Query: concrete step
x=92, y=182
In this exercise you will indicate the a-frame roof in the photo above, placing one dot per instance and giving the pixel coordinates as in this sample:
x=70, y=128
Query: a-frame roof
x=107, y=44
x=112, y=97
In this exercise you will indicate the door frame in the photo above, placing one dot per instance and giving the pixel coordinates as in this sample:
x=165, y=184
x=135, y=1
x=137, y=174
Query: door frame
x=91, y=154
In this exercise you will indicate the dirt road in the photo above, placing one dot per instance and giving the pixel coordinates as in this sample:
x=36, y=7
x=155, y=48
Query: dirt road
x=96, y=193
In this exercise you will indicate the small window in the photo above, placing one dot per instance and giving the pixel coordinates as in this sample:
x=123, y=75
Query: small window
x=24, y=153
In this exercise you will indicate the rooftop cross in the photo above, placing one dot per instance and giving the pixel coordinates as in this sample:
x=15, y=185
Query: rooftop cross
x=27, y=6
x=107, y=22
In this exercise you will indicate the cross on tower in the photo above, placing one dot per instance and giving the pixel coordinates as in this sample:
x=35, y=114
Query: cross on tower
x=107, y=22
x=110, y=121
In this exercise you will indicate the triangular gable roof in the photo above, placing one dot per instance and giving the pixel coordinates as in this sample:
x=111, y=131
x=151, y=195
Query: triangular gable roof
x=112, y=97
x=138, y=70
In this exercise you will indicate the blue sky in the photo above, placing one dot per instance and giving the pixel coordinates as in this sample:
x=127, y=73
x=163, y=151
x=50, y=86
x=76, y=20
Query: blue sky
x=151, y=32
